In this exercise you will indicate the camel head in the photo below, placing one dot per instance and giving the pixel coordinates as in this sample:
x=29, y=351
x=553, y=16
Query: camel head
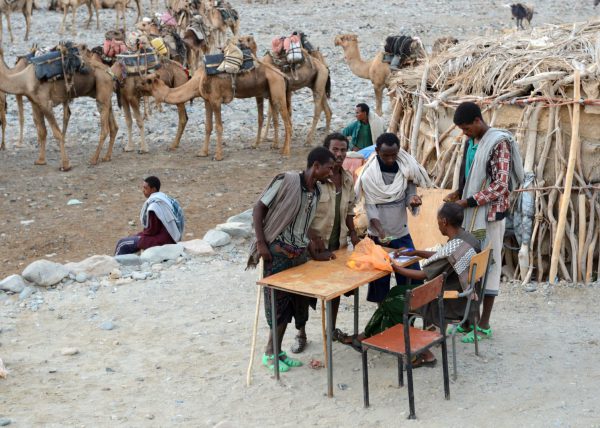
x=345, y=40
x=148, y=27
x=152, y=84
x=248, y=42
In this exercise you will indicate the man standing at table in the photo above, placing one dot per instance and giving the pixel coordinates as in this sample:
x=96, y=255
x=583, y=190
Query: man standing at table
x=282, y=217
x=491, y=168
x=389, y=184
x=334, y=220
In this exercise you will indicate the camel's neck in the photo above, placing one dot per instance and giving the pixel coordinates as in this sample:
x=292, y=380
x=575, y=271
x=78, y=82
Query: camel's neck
x=355, y=62
x=183, y=93
x=20, y=83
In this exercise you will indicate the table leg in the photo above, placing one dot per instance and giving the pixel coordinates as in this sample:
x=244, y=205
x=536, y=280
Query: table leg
x=274, y=334
x=356, y=312
x=324, y=330
x=328, y=311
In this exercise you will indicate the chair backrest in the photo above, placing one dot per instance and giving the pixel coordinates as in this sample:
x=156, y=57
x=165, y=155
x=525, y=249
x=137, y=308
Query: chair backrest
x=479, y=264
x=425, y=293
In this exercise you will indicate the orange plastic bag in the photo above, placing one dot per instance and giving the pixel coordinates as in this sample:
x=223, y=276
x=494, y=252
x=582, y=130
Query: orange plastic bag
x=367, y=255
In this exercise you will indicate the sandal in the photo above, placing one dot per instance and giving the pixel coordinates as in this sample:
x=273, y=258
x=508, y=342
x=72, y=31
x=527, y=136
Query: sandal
x=470, y=337
x=290, y=362
x=299, y=345
x=460, y=329
x=339, y=336
x=419, y=361
x=267, y=362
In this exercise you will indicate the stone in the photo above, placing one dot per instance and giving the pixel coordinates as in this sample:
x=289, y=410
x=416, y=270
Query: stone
x=197, y=247
x=69, y=351
x=107, y=325
x=74, y=202
x=162, y=253
x=216, y=238
x=13, y=283
x=245, y=217
x=45, y=273
x=4, y=422
x=81, y=277
x=114, y=274
x=139, y=276
x=27, y=291
x=128, y=259
x=98, y=265
x=236, y=229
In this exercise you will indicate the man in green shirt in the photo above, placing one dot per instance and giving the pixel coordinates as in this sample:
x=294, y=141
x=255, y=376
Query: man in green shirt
x=365, y=129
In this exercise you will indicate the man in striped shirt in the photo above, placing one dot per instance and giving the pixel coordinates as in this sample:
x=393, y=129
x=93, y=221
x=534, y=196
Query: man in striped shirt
x=491, y=168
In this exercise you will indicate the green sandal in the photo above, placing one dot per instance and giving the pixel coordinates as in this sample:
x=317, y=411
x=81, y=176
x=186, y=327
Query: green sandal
x=460, y=329
x=470, y=337
x=267, y=362
x=290, y=362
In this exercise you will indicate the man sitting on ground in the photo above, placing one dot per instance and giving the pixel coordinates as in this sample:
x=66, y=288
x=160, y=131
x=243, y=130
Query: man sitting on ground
x=161, y=217
x=365, y=129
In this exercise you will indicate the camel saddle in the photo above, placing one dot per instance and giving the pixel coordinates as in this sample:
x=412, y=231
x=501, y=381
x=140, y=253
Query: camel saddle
x=139, y=63
x=228, y=13
x=60, y=62
x=212, y=62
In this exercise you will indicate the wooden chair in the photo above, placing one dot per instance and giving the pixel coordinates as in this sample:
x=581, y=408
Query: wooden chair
x=402, y=340
x=478, y=269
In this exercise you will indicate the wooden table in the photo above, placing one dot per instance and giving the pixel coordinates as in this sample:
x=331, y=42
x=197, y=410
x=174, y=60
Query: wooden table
x=324, y=281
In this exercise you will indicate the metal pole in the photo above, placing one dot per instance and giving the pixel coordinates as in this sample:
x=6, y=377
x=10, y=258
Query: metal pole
x=329, y=349
x=356, y=312
x=274, y=334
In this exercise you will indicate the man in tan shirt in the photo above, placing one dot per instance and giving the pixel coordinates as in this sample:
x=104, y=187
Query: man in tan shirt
x=334, y=219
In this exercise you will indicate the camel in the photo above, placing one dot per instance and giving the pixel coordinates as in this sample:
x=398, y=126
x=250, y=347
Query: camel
x=7, y=7
x=312, y=74
x=263, y=82
x=73, y=5
x=96, y=83
x=21, y=63
x=120, y=7
x=374, y=70
x=130, y=90
x=209, y=9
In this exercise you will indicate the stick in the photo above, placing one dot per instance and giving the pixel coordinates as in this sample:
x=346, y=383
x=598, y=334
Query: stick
x=564, y=203
x=591, y=246
x=581, y=232
x=394, y=120
x=417, y=119
x=255, y=327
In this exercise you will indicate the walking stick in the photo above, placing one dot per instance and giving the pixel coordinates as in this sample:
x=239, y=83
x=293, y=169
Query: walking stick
x=255, y=328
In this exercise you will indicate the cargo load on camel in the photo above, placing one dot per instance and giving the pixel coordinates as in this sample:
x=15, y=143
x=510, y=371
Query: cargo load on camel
x=398, y=51
x=287, y=51
x=228, y=13
x=230, y=61
x=59, y=63
x=140, y=63
x=525, y=83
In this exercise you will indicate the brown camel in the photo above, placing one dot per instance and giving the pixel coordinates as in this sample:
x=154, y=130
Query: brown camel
x=96, y=83
x=212, y=15
x=19, y=65
x=74, y=5
x=312, y=74
x=120, y=7
x=7, y=7
x=130, y=90
x=374, y=70
x=263, y=82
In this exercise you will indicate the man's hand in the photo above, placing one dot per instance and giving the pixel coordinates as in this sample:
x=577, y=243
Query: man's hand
x=324, y=256
x=264, y=252
x=415, y=201
x=462, y=203
x=407, y=253
x=318, y=245
x=354, y=238
x=452, y=197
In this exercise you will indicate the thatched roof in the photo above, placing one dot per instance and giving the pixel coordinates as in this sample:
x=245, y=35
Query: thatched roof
x=510, y=65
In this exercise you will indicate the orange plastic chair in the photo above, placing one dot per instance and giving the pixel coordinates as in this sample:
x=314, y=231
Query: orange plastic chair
x=403, y=340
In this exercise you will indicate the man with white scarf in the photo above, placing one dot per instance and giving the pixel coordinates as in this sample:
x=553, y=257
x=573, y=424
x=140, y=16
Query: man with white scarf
x=389, y=184
x=161, y=218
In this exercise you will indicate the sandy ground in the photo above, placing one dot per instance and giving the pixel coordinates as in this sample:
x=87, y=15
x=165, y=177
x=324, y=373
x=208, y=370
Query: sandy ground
x=180, y=348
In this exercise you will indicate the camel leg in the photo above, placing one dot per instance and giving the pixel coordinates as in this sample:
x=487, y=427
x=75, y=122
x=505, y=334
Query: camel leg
x=128, y=122
x=135, y=105
x=219, y=125
x=208, y=125
x=27, y=15
x=139, y=10
x=1, y=28
x=3, y=119
x=49, y=115
x=104, y=111
x=327, y=111
x=62, y=23
x=96, y=7
x=275, y=121
x=183, y=118
x=21, y=119
x=379, y=99
x=285, y=111
x=42, y=133
x=9, y=27
x=66, y=117
x=260, y=106
x=265, y=133
x=90, y=14
x=113, y=129
x=74, y=25
x=318, y=101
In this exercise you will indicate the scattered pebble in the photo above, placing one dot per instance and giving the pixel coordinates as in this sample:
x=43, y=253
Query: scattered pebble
x=69, y=351
x=4, y=422
x=107, y=325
